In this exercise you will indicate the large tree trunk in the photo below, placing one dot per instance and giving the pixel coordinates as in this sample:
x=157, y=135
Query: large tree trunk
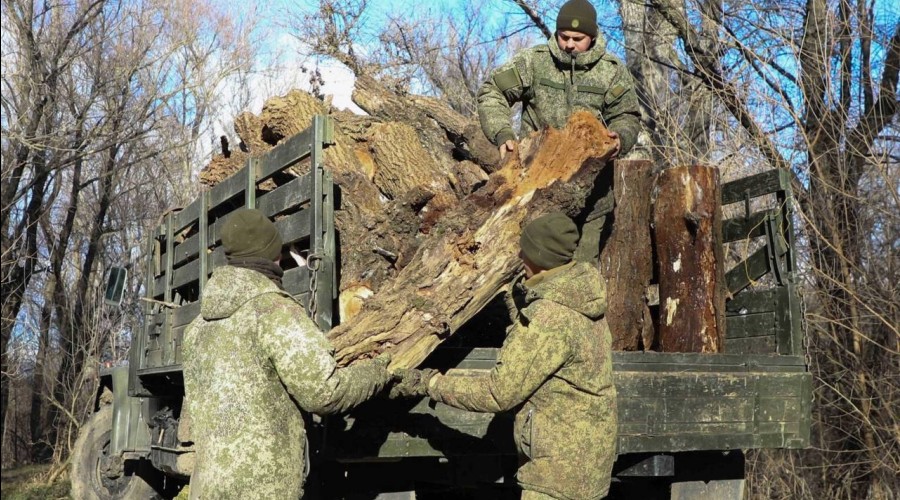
x=471, y=252
x=688, y=235
x=627, y=259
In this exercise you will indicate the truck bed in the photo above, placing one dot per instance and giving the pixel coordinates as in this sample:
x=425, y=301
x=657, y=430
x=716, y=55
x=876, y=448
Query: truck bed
x=667, y=402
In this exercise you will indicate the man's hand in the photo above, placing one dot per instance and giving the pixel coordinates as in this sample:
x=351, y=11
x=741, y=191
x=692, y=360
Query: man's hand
x=411, y=383
x=507, y=147
x=614, y=136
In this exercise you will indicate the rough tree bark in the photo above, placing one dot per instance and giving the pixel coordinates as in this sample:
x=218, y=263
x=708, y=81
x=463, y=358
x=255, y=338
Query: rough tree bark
x=627, y=259
x=688, y=224
x=471, y=252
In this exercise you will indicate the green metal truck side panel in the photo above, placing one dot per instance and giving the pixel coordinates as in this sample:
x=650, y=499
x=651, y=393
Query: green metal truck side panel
x=686, y=407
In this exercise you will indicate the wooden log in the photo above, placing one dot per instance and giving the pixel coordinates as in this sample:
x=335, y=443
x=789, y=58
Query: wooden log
x=627, y=259
x=402, y=165
x=471, y=252
x=688, y=228
x=466, y=140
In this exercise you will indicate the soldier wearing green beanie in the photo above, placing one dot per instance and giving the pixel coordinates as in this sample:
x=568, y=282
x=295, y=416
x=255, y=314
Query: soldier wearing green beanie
x=254, y=365
x=248, y=233
x=572, y=71
x=555, y=369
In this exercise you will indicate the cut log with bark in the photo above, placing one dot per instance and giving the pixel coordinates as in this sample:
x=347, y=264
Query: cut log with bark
x=471, y=251
x=627, y=259
x=688, y=224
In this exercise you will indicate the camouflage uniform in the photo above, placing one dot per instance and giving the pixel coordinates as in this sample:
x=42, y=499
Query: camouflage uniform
x=551, y=84
x=556, y=364
x=250, y=359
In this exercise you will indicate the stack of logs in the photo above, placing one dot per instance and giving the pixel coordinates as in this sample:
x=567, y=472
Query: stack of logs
x=429, y=222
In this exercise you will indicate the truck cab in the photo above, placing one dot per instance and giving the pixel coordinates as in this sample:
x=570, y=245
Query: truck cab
x=685, y=419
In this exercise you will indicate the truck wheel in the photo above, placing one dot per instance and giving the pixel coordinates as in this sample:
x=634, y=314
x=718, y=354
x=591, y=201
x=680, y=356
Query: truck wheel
x=90, y=458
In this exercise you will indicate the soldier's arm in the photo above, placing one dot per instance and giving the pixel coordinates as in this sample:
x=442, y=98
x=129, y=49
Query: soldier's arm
x=621, y=111
x=528, y=358
x=304, y=361
x=506, y=86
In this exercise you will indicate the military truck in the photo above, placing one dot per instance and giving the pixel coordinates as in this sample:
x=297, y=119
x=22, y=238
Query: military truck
x=684, y=418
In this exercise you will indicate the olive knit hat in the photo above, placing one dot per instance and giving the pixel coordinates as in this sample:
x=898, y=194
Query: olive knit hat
x=550, y=240
x=578, y=15
x=249, y=233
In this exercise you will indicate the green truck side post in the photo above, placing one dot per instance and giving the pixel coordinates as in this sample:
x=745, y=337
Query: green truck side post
x=684, y=418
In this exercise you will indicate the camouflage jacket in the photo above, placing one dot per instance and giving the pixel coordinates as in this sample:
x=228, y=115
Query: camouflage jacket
x=251, y=359
x=555, y=367
x=551, y=84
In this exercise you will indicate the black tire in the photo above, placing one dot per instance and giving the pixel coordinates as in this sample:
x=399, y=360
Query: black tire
x=89, y=483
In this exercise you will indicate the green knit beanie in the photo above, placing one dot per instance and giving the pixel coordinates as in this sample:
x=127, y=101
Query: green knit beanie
x=550, y=240
x=578, y=15
x=249, y=233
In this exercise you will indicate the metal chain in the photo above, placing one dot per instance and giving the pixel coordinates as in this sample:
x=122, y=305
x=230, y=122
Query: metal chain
x=312, y=263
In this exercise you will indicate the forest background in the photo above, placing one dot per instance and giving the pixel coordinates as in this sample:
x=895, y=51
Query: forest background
x=110, y=108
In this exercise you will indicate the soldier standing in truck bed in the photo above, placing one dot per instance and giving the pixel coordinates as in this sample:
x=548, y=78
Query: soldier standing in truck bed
x=555, y=366
x=253, y=363
x=572, y=71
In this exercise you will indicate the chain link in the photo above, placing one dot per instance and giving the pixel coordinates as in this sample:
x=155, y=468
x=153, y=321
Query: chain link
x=312, y=263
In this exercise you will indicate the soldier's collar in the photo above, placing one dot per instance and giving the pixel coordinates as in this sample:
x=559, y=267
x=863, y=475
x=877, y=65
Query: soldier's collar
x=543, y=276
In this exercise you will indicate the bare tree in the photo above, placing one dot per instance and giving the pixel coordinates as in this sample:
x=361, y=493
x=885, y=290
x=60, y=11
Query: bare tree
x=802, y=82
x=103, y=105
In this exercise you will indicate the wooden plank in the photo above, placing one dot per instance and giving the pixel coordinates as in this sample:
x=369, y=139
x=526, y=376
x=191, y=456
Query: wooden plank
x=789, y=330
x=174, y=352
x=186, y=274
x=703, y=441
x=217, y=259
x=742, y=228
x=752, y=345
x=185, y=314
x=170, y=261
x=204, y=240
x=159, y=288
x=706, y=385
x=753, y=268
x=228, y=189
x=251, y=178
x=697, y=412
x=752, y=302
x=676, y=429
x=289, y=152
x=188, y=216
x=750, y=325
x=296, y=281
x=289, y=196
x=186, y=250
x=770, y=181
x=295, y=227
x=650, y=361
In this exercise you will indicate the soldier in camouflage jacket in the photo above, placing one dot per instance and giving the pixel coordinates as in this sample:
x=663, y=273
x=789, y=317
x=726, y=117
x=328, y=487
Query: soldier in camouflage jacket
x=253, y=362
x=554, y=369
x=554, y=79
